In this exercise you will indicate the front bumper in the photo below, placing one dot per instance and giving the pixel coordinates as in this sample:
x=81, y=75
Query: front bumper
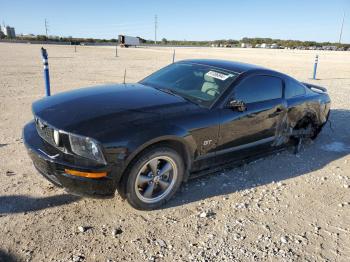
x=51, y=163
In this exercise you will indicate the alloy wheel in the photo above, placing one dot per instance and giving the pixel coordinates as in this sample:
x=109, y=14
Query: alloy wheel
x=156, y=179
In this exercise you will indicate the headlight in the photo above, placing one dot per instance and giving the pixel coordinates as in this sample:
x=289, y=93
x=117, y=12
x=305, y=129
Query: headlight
x=86, y=147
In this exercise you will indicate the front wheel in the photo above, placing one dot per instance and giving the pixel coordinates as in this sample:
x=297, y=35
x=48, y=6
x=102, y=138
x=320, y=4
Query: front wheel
x=154, y=178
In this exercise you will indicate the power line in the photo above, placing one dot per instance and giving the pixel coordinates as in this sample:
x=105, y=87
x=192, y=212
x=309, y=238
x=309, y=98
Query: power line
x=341, y=29
x=46, y=27
x=155, y=28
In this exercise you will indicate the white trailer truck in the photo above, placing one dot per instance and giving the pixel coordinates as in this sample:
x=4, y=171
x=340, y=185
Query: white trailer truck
x=126, y=41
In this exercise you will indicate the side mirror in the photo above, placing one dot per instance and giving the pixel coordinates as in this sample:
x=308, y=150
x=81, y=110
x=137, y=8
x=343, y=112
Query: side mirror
x=237, y=105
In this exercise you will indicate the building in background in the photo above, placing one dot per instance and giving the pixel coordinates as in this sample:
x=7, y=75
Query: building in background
x=2, y=29
x=8, y=31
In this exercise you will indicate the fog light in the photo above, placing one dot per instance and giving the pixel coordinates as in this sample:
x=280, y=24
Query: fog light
x=85, y=174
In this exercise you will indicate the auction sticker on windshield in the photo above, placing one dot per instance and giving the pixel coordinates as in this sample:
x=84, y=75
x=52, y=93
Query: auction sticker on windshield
x=218, y=75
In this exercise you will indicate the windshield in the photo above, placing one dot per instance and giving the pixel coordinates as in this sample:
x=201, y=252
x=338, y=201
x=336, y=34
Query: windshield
x=200, y=84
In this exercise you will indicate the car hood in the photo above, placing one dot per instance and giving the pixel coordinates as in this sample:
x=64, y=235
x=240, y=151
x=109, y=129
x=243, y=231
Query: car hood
x=92, y=111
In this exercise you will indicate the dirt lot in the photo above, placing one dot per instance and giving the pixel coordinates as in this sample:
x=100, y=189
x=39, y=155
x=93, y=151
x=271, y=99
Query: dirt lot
x=284, y=207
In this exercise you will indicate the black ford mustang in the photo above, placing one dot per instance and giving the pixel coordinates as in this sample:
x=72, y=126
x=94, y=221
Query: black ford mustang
x=144, y=139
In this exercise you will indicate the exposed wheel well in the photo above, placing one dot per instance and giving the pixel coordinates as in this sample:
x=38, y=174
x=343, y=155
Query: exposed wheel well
x=305, y=122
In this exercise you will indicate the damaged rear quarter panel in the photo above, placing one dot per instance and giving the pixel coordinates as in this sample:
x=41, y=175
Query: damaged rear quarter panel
x=312, y=106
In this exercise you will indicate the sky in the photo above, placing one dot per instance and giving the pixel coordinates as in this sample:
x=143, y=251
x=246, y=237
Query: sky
x=314, y=20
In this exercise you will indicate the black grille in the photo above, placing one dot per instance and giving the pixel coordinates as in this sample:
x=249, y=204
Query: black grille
x=45, y=132
x=45, y=168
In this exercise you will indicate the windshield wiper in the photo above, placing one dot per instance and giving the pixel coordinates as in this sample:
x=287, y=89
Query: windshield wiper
x=174, y=93
x=169, y=91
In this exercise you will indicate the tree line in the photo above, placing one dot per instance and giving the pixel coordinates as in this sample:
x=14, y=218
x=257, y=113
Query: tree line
x=222, y=42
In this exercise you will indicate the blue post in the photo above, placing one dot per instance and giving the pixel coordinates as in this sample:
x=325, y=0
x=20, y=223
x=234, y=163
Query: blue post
x=315, y=67
x=46, y=70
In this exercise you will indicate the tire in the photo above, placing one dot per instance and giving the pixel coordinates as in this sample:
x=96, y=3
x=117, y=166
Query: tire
x=153, y=178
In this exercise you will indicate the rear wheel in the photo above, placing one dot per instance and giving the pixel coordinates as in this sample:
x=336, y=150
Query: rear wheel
x=154, y=178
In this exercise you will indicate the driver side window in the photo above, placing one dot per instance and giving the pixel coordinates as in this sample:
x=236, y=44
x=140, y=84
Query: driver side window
x=258, y=89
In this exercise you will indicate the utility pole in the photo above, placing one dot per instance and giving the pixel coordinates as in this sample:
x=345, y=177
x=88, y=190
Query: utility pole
x=341, y=29
x=46, y=28
x=155, y=28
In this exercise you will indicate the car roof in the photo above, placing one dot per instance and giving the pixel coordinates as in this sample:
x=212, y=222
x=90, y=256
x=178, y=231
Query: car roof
x=233, y=66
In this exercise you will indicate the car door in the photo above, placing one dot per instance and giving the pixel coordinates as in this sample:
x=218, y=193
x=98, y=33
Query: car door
x=255, y=126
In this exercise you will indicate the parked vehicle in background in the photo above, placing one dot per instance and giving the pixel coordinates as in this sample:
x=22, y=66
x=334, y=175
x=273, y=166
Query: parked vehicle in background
x=126, y=41
x=145, y=139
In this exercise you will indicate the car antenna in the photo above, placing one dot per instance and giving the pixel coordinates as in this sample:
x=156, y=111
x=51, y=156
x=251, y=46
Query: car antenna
x=124, y=76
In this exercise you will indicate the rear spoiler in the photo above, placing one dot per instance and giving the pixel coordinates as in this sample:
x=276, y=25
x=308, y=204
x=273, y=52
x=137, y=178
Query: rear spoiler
x=313, y=87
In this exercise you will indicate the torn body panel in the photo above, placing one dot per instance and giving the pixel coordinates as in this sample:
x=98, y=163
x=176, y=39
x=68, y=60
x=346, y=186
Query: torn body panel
x=304, y=117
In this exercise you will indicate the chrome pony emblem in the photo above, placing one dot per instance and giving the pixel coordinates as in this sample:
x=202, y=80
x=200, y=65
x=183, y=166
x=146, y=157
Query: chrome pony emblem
x=41, y=124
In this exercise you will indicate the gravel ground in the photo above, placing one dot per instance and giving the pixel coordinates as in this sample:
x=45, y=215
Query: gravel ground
x=284, y=207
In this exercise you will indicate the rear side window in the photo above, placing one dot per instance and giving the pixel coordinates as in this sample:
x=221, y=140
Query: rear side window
x=259, y=88
x=293, y=89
